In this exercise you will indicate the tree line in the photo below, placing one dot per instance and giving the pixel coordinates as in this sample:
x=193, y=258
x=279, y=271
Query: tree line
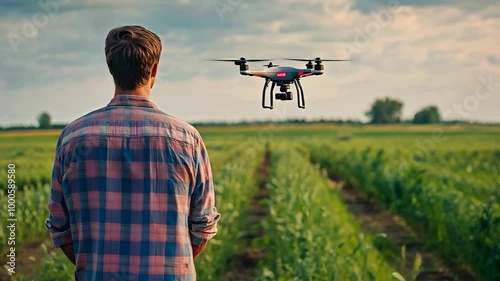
x=388, y=111
x=382, y=111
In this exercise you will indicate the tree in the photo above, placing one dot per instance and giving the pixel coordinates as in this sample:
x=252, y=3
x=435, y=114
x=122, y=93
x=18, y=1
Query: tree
x=428, y=115
x=385, y=111
x=44, y=120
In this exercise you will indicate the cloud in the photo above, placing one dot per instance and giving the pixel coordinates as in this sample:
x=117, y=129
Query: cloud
x=420, y=52
x=468, y=6
x=493, y=59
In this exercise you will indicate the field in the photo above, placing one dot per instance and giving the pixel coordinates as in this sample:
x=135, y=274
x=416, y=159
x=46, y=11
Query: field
x=311, y=202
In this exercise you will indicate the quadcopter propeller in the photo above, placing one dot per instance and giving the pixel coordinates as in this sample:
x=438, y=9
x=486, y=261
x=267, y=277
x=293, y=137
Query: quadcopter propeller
x=240, y=60
x=270, y=65
x=315, y=60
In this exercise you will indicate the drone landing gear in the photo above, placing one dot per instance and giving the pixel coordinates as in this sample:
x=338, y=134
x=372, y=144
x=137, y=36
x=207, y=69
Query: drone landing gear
x=301, y=101
x=285, y=95
x=270, y=97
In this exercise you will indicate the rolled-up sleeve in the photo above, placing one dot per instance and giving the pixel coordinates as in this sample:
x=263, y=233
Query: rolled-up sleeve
x=203, y=216
x=58, y=221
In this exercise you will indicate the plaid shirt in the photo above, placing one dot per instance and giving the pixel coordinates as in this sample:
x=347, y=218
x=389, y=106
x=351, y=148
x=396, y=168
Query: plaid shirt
x=132, y=190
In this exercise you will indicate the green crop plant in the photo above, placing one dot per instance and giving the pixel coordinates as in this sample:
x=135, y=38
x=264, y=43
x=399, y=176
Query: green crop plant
x=235, y=185
x=452, y=194
x=310, y=234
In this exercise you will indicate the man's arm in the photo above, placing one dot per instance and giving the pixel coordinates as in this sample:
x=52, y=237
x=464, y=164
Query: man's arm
x=203, y=215
x=198, y=249
x=69, y=252
x=58, y=221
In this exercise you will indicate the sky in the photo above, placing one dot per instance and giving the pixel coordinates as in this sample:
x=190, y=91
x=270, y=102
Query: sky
x=421, y=52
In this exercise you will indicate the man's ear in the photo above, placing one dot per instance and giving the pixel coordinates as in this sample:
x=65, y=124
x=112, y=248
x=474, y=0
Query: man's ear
x=154, y=71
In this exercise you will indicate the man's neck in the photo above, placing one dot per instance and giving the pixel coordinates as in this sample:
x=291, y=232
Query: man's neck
x=143, y=91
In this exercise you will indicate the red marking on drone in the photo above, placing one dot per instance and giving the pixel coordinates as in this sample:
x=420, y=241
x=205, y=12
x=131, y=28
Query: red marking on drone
x=301, y=73
x=280, y=74
x=257, y=75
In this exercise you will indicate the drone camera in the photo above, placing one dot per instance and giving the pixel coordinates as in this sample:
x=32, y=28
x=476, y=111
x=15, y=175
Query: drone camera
x=284, y=96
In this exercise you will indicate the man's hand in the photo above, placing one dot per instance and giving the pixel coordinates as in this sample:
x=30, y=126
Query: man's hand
x=69, y=252
x=198, y=249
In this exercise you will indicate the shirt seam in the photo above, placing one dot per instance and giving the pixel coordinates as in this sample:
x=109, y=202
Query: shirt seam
x=75, y=139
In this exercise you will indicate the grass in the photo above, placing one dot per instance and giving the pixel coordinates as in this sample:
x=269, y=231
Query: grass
x=443, y=177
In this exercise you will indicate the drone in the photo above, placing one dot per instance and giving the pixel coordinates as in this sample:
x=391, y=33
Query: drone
x=282, y=76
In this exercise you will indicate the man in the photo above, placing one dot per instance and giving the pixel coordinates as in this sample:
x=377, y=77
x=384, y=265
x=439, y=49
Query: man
x=132, y=193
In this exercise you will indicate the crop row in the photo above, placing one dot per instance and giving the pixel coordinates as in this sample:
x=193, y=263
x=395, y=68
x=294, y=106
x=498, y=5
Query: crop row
x=463, y=225
x=309, y=233
x=33, y=157
x=235, y=185
x=30, y=212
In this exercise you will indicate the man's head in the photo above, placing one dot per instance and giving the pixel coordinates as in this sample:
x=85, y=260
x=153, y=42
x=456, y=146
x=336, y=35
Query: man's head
x=132, y=54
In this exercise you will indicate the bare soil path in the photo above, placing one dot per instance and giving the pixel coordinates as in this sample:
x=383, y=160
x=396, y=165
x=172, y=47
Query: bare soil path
x=28, y=259
x=375, y=219
x=244, y=265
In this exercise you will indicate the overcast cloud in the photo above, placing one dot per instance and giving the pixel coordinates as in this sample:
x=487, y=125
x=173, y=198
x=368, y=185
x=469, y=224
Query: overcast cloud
x=442, y=53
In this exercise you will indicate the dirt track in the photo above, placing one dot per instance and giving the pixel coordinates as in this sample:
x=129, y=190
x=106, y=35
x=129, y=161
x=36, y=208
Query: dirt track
x=24, y=265
x=375, y=219
x=244, y=265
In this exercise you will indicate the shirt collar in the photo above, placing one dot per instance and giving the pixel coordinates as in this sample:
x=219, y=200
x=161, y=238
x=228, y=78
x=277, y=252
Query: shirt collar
x=131, y=100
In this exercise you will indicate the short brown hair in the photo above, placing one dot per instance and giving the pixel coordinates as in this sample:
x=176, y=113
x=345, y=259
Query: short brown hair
x=131, y=53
